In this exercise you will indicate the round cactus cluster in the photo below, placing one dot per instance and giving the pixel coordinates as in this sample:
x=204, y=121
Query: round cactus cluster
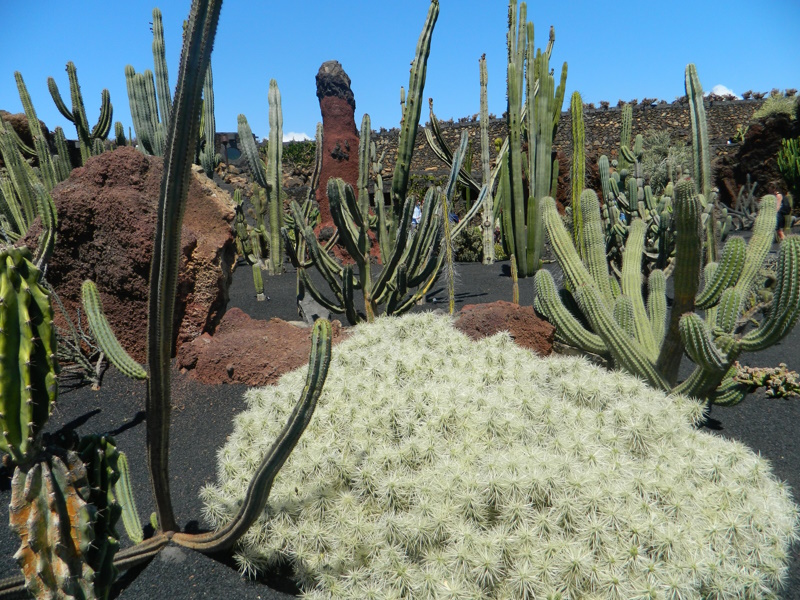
x=439, y=467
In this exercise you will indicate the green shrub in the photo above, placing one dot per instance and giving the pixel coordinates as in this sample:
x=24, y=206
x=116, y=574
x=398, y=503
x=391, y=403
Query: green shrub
x=438, y=467
x=661, y=157
x=468, y=245
x=777, y=105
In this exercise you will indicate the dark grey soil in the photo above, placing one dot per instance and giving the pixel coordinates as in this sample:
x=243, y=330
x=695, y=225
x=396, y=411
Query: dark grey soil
x=202, y=418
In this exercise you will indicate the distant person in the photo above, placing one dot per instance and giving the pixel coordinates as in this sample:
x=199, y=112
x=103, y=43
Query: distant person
x=416, y=215
x=784, y=209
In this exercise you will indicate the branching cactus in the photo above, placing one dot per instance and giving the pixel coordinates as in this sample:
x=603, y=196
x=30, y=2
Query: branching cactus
x=91, y=141
x=635, y=332
x=529, y=77
x=413, y=261
x=266, y=246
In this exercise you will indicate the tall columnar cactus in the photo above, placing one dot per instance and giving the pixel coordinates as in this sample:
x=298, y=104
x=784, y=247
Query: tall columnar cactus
x=267, y=248
x=23, y=197
x=149, y=98
x=634, y=331
x=52, y=169
x=487, y=216
x=578, y=170
x=208, y=128
x=91, y=141
x=529, y=77
x=701, y=158
x=412, y=108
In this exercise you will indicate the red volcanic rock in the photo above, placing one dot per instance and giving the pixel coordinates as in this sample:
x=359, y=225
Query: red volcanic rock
x=525, y=328
x=340, y=135
x=106, y=228
x=249, y=351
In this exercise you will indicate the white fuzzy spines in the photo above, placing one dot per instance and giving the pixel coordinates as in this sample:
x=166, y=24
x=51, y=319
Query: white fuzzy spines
x=439, y=467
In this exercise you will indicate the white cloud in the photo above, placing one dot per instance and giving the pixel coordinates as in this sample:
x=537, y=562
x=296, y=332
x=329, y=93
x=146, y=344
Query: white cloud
x=293, y=136
x=721, y=90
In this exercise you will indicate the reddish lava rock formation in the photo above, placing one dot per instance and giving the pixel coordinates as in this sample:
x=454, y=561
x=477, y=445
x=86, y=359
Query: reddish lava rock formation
x=106, y=227
x=525, y=328
x=340, y=135
x=249, y=351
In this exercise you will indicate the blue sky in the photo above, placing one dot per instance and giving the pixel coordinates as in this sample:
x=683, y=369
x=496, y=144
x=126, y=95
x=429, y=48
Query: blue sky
x=615, y=50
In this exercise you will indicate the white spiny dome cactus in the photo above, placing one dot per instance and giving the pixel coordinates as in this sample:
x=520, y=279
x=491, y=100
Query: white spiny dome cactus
x=439, y=467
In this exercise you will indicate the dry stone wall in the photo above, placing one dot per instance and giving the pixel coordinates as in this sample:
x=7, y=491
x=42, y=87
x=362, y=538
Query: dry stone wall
x=602, y=133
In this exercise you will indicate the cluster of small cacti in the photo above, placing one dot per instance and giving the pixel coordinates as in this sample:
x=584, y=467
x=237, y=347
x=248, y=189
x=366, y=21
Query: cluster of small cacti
x=508, y=476
x=778, y=382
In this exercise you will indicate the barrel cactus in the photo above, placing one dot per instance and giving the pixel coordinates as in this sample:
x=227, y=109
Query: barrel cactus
x=513, y=476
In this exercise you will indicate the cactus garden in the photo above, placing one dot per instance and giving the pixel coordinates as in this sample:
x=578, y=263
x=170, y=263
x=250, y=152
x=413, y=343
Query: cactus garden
x=243, y=370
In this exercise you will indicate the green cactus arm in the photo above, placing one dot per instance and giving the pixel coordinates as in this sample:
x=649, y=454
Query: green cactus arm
x=208, y=126
x=251, y=152
x=688, y=258
x=484, y=197
x=180, y=151
x=258, y=491
x=708, y=275
x=623, y=314
x=577, y=168
x=785, y=309
x=699, y=345
x=103, y=126
x=729, y=309
x=105, y=337
x=350, y=312
x=568, y=329
x=59, y=101
x=9, y=356
x=46, y=167
x=49, y=221
x=627, y=352
x=700, y=383
x=412, y=111
x=161, y=71
x=440, y=147
x=594, y=244
x=730, y=391
x=20, y=174
x=726, y=274
x=275, y=177
x=331, y=276
x=657, y=305
x=632, y=287
x=760, y=242
x=347, y=218
x=258, y=282
x=332, y=306
x=424, y=234
x=124, y=493
x=389, y=270
x=574, y=270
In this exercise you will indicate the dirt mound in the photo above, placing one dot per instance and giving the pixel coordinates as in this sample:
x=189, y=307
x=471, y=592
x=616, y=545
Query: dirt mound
x=526, y=329
x=249, y=351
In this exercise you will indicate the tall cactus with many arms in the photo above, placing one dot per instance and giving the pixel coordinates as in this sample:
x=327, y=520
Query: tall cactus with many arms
x=648, y=344
x=414, y=260
x=529, y=77
x=412, y=108
x=91, y=141
x=269, y=179
x=701, y=157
